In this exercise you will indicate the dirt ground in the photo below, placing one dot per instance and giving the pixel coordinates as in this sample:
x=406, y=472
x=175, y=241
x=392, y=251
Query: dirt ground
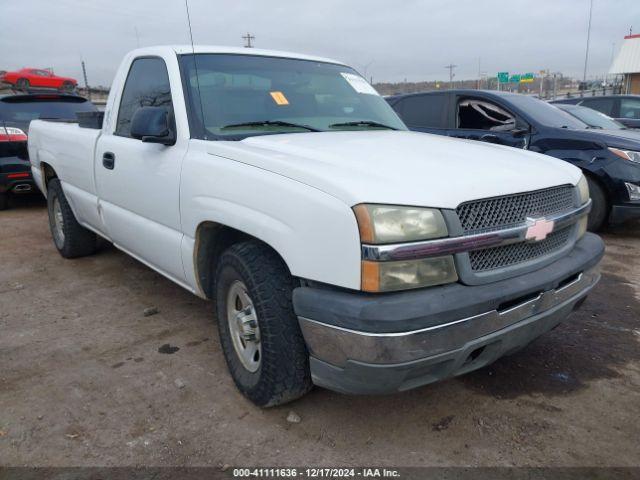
x=82, y=381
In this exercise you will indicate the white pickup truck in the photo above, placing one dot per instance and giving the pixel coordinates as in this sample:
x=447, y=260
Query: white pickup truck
x=339, y=249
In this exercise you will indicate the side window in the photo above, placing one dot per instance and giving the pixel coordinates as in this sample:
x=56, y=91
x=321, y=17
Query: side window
x=630, y=108
x=604, y=105
x=424, y=110
x=147, y=85
x=476, y=114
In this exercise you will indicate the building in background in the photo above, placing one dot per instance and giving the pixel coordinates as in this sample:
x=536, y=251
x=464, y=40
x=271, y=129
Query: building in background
x=627, y=64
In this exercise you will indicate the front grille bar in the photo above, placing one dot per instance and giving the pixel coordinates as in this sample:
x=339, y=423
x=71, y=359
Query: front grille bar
x=466, y=243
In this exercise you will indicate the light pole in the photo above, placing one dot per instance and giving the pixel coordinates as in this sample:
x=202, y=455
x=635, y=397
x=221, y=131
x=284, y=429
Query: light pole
x=586, y=55
x=450, y=67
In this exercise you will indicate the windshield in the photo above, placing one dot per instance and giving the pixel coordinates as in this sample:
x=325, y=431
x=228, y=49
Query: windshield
x=594, y=118
x=545, y=114
x=235, y=96
x=21, y=112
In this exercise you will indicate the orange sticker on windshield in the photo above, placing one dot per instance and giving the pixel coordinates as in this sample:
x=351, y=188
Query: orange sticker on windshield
x=279, y=98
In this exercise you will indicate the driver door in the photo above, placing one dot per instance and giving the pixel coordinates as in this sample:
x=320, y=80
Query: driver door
x=138, y=183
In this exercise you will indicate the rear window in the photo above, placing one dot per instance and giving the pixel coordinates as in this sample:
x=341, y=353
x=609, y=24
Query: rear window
x=14, y=149
x=603, y=105
x=22, y=111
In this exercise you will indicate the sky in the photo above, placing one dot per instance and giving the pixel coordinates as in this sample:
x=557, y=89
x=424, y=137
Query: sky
x=390, y=40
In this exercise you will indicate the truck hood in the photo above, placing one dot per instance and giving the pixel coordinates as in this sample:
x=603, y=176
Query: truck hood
x=395, y=167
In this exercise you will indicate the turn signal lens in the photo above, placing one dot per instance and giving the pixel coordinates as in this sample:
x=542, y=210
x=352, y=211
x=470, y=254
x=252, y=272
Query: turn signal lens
x=404, y=275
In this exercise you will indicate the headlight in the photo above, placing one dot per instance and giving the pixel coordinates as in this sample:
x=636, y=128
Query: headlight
x=383, y=224
x=583, y=190
x=582, y=226
x=390, y=276
x=380, y=224
x=626, y=154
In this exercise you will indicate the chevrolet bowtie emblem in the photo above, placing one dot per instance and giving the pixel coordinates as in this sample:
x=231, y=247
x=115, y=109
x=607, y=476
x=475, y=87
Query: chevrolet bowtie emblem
x=538, y=228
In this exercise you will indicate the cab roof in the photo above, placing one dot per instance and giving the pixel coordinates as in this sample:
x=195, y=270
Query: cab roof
x=186, y=49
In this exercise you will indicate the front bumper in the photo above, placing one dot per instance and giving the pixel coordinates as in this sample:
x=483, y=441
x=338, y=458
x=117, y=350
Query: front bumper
x=362, y=343
x=622, y=213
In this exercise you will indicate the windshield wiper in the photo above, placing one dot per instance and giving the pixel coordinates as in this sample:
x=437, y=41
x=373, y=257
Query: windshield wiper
x=363, y=123
x=266, y=123
x=594, y=127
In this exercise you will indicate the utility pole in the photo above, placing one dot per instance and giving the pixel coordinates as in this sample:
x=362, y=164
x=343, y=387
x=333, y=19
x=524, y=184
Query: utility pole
x=586, y=55
x=248, y=37
x=86, y=83
x=450, y=67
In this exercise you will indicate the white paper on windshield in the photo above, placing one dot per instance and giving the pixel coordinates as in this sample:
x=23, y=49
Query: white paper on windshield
x=359, y=84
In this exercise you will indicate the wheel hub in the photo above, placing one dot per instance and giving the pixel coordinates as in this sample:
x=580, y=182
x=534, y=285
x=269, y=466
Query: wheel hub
x=58, y=223
x=243, y=326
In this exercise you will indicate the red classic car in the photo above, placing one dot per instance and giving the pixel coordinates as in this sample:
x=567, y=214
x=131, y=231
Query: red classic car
x=37, y=77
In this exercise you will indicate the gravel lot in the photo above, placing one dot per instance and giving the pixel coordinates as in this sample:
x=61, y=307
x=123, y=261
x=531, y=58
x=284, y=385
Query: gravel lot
x=82, y=381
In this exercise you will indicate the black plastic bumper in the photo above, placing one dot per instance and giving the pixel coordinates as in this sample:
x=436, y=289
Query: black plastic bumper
x=362, y=343
x=15, y=175
x=622, y=213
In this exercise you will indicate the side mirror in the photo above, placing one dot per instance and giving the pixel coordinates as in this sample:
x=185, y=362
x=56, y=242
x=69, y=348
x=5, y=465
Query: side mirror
x=519, y=131
x=153, y=125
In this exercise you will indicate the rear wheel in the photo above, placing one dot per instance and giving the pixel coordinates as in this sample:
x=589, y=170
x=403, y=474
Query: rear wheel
x=22, y=84
x=259, y=331
x=599, y=207
x=67, y=87
x=4, y=201
x=70, y=238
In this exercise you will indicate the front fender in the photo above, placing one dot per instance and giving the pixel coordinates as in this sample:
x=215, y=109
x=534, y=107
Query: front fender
x=315, y=233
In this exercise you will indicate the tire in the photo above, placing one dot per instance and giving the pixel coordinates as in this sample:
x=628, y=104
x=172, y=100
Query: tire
x=599, y=207
x=4, y=201
x=282, y=374
x=22, y=84
x=75, y=241
x=67, y=87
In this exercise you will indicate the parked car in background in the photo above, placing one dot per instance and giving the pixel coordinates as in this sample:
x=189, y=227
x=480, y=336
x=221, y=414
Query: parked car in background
x=624, y=108
x=610, y=161
x=595, y=119
x=26, y=78
x=340, y=249
x=16, y=111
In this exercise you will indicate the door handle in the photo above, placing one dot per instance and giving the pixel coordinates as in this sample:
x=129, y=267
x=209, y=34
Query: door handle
x=108, y=160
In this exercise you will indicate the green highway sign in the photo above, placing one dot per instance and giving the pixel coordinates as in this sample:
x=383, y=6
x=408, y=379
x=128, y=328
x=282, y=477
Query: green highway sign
x=504, y=77
x=526, y=78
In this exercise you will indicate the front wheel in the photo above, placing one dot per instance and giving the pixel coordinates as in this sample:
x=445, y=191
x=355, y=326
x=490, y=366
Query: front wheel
x=70, y=238
x=261, y=339
x=599, y=206
x=22, y=84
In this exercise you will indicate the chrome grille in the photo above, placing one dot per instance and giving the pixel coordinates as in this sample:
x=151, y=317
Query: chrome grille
x=510, y=210
x=505, y=256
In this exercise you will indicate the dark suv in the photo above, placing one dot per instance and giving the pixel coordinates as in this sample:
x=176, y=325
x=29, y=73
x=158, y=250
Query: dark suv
x=16, y=111
x=610, y=162
x=624, y=108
